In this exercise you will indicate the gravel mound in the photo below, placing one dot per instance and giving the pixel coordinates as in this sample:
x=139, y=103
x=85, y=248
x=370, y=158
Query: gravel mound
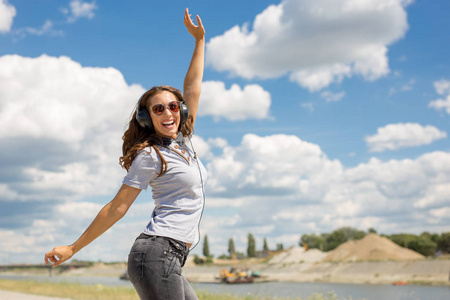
x=298, y=255
x=371, y=247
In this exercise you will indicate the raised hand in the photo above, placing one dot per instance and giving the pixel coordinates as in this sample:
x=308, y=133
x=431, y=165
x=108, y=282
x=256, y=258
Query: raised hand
x=198, y=32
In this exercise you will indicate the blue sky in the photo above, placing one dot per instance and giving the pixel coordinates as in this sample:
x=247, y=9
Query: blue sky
x=314, y=115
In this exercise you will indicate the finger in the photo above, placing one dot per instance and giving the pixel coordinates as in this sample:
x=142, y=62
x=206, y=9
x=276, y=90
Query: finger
x=186, y=14
x=189, y=24
x=188, y=21
x=199, y=21
x=57, y=263
x=48, y=256
x=50, y=259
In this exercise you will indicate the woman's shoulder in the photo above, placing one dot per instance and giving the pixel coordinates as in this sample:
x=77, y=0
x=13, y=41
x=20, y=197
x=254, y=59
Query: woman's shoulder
x=147, y=150
x=143, y=169
x=146, y=155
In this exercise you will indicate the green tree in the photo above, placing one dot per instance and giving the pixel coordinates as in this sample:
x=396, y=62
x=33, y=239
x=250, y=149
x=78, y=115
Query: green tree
x=432, y=236
x=371, y=230
x=352, y=233
x=206, y=247
x=251, y=249
x=335, y=239
x=401, y=239
x=444, y=242
x=421, y=244
x=198, y=260
x=231, y=249
x=265, y=246
x=280, y=246
x=342, y=235
x=312, y=241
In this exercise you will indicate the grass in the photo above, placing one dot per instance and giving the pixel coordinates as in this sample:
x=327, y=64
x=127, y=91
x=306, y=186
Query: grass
x=68, y=290
x=100, y=292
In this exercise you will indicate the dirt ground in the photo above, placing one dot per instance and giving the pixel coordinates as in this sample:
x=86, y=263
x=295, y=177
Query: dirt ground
x=432, y=272
x=7, y=295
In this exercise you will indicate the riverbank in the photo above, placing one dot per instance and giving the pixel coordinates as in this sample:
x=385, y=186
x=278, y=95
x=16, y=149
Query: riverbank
x=423, y=272
x=32, y=290
x=414, y=272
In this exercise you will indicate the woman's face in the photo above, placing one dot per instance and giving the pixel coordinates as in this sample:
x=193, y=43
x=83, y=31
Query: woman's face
x=165, y=124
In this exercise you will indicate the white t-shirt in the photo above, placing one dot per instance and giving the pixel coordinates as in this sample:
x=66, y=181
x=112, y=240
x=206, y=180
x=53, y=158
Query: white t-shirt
x=178, y=194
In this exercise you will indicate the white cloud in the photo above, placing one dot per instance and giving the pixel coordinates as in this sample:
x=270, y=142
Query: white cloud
x=316, y=42
x=62, y=125
x=277, y=187
x=442, y=88
x=403, y=88
x=295, y=187
x=331, y=97
x=201, y=147
x=308, y=105
x=47, y=28
x=235, y=104
x=7, y=14
x=403, y=135
x=441, y=212
x=79, y=9
x=287, y=158
x=408, y=86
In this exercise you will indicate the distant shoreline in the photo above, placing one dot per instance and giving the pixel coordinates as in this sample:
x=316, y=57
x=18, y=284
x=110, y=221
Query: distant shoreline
x=421, y=272
x=434, y=272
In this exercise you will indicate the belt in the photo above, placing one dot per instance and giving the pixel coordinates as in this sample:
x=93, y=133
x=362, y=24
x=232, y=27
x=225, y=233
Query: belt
x=179, y=249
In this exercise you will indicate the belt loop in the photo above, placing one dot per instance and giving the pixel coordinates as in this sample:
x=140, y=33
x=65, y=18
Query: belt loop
x=185, y=255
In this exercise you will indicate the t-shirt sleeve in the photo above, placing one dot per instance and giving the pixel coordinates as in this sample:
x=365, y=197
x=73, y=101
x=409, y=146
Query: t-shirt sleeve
x=142, y=171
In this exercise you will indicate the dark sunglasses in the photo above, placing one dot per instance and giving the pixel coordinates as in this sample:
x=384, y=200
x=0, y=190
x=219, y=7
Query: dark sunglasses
x=158, y=109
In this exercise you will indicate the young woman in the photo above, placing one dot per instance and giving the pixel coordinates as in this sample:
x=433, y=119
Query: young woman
x=157, y=152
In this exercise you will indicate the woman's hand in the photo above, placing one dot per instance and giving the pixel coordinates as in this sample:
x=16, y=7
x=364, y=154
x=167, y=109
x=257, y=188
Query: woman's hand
x=198, y=32
x=59, y=255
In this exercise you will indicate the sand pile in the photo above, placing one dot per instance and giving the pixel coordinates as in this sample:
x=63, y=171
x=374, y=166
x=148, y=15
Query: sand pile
x=298, y=255
x=371, y=247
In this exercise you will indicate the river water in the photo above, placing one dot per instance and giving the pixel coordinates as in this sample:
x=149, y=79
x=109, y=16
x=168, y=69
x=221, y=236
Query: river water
x=281, y=289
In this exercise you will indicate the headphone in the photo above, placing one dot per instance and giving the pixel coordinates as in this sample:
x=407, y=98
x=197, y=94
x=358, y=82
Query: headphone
x=144, y=119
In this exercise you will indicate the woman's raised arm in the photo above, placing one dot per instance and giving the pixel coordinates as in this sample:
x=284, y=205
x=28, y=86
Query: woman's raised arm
x=193, y=81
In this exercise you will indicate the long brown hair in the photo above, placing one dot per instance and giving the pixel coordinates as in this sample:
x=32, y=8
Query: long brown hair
x=137, y=137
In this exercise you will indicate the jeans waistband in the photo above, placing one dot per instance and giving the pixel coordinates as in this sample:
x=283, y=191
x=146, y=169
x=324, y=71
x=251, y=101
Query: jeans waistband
x=178, y=248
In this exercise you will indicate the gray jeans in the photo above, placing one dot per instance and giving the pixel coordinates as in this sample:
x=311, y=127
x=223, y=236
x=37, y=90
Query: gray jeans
x=154, y=268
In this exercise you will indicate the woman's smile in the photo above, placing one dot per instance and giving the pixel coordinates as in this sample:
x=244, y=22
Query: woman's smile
x=165, y=124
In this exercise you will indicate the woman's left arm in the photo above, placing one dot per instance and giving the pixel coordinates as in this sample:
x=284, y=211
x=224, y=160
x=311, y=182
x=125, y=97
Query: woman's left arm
x=193, y=81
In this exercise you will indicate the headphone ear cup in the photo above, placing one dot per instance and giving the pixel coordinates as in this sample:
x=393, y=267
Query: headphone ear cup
x=142, y=116
x=184, y=113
